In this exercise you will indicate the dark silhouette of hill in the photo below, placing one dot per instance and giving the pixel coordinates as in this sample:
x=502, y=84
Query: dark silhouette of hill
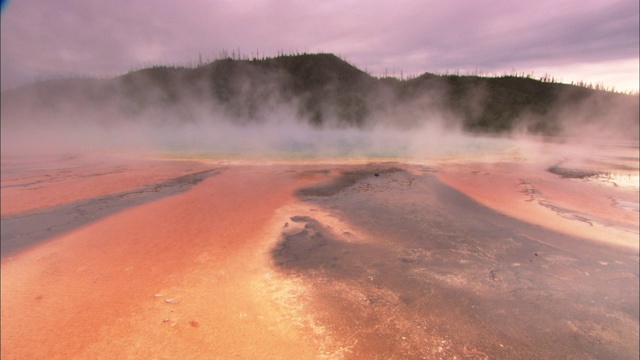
x=324, y=91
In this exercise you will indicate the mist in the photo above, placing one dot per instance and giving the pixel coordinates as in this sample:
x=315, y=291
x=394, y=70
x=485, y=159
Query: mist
x=304, y=107
x=281, y=137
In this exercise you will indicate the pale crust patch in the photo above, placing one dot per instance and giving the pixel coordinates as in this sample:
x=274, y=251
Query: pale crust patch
x=186, y=276
x=529, y=193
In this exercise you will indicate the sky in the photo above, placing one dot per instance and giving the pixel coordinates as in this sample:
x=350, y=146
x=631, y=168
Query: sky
x=595, y=41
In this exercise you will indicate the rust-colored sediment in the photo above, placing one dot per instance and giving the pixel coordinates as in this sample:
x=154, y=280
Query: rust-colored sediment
x=526, y=191
x=192, y=276
x=183, y=277
x=43, y=182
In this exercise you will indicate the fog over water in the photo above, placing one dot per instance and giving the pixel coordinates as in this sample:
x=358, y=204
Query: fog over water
x=306, y=107
x=390, y=215
x=283, y=138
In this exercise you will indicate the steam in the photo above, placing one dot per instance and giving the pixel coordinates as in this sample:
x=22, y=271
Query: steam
x=260, y=120
x=282, y=137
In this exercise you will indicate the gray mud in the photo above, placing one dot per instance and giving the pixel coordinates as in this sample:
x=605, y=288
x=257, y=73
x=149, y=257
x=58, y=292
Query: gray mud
x=345, y=180
x=441, y=277
x=26, y=229
x=571, y=173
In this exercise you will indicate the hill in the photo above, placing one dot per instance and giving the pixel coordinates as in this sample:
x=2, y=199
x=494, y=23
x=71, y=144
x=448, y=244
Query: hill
x=324, y=91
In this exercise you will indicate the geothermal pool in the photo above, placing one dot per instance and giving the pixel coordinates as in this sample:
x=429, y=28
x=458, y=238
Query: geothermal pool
x=483, y=254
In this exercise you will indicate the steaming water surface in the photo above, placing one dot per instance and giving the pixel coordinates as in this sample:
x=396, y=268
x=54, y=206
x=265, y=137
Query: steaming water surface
x=385, y=261
x=394, y=262
x=438, y=275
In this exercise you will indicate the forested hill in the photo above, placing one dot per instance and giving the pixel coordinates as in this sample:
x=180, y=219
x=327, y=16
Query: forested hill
x=324, y=91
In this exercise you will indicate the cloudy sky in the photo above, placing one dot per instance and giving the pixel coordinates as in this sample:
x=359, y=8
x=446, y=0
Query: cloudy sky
x=591, y=40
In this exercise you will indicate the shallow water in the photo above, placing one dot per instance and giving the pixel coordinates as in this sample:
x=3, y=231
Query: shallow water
x=20, y=231
x=440, y=276
x=379, y=260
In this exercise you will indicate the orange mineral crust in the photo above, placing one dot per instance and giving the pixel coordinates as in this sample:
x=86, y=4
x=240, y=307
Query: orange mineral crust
x=36, y=183
x=155, y=259
x=182, y=277
x=587, y=208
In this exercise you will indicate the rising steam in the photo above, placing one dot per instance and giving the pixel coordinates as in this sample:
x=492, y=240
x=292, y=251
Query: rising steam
x=275, y=110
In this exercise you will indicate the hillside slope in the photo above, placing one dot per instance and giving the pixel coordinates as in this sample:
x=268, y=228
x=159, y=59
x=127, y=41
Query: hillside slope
x=324, y=91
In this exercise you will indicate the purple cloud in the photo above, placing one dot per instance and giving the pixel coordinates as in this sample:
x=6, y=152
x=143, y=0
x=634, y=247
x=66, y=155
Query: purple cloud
x=43, y=38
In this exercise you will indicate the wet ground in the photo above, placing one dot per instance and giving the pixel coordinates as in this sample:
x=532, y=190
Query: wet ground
x=166, y=259
x=26, y=229
x=434, y=274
